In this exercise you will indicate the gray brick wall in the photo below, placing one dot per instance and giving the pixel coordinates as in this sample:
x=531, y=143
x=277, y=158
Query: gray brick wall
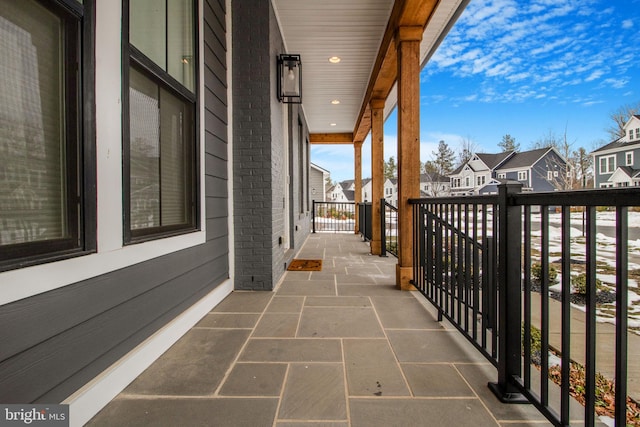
x=260, y=161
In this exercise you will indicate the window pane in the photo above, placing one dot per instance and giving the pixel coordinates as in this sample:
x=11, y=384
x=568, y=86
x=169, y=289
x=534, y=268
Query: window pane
x=175, y=180
x=144, y=144
x=147, y=29
x=160, y=161
x=32, y=134
x=180, y=42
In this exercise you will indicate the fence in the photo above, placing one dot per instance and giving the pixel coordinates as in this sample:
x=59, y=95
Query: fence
x=333, y=217
x=365, y=220
x=389, y=228
x=505, y=270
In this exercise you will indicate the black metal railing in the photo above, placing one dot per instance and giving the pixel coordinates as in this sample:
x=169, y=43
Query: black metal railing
x=365, y=220
x=333, y=217
x=388, y=228
x=490, y=265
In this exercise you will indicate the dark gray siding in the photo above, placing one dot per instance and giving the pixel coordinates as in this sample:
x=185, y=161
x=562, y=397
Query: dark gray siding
x=54, y=343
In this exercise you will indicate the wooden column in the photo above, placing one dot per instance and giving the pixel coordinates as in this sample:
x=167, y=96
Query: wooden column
x=357, y=147
x=408, y=47
x=377, y=172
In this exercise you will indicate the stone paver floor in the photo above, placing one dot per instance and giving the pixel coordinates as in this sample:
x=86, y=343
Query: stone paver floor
x=339, y=347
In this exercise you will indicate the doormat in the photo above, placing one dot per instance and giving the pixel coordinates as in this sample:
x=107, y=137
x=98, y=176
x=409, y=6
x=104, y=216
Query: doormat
x=305, y=265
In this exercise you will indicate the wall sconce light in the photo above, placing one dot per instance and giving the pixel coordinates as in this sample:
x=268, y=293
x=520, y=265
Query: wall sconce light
x=289, y=79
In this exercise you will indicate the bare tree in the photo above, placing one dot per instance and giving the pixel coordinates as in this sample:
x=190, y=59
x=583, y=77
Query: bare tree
x=467, y=148
x=620, y=117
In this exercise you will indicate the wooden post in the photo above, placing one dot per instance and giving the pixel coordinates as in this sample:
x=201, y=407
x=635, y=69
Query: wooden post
x=357, y=147
x=408, y=46
x=377, y=172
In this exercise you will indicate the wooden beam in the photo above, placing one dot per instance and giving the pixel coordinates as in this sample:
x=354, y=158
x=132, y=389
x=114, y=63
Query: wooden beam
x=331, y=138
x=414, y=13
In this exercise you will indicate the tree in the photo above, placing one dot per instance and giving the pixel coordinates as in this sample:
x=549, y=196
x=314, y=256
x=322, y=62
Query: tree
x=390, y=168
x=467, y=148
x=508, y=143
x=620, y=117
x=582, y=163
x=444, y=158
x=430, y=167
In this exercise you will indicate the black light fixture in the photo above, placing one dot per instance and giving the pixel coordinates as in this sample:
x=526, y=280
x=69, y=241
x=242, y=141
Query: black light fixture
x=289, y=79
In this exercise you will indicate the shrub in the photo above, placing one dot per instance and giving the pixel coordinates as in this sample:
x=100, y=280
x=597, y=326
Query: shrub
x=579, y=284
x=536, y=273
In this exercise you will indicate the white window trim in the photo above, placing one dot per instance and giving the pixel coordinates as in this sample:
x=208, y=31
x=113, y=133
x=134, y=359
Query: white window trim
x=602, y=170
x=628, y=155
x=522, y=175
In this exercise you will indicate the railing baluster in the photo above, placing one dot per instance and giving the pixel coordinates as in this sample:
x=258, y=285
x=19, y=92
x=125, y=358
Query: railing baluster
x=544, y=305
x=565, y=314
x=590, y=363
x=622, y=304
x=527, y=296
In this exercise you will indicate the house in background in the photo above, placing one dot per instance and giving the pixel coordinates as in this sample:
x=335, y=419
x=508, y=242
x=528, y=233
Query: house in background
x=617, y=164
x=541, y=169
x=340, y=193
x=318, y=182
x=435, y=185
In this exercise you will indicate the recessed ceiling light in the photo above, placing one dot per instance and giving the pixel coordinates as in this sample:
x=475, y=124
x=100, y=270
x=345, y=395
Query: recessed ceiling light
x=335, y=59
x=333, y=124
x=335, y=102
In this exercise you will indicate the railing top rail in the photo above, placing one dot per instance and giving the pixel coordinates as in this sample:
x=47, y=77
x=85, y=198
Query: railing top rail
x=390, y=205
x=588, y=197
x=591, y=197
x=488, y=199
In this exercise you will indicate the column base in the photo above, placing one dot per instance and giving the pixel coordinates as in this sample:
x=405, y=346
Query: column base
x=376, y=247
x=404, y=275
x=507, y=397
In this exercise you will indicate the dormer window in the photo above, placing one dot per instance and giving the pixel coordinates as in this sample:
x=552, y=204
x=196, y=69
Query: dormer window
x=630, y=134
x=637, y=133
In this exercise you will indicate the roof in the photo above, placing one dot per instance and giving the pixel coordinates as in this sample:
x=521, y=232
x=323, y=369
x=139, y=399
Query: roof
x=433, y=177
x=321, y=169
x=494, y=160
x=525, y=158
x=617, y=144
x=350, y=195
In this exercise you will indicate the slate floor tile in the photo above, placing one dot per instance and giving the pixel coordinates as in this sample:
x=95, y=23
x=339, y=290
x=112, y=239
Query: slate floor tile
x=254, y=379
x=314, y=392
x=339, y=322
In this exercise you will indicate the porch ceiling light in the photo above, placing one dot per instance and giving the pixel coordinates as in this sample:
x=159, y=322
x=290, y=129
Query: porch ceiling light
x=335, y=102
x=335, y=59
x=289, y=79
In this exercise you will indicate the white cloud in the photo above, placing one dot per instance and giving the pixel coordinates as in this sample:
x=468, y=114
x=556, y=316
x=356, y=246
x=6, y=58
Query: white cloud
x=627, y=23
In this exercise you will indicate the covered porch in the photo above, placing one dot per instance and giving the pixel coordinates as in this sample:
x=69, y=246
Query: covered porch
x=336, y=347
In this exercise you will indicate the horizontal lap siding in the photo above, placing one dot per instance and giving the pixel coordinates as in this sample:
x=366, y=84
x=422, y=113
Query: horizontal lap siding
x=55, y=342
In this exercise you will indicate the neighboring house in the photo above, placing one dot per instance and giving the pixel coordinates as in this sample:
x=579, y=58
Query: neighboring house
x=434, y=185
x=338, y=193
x=318, y=183
x=541, y=169
x=476, y=172
x=391, y=191
x=617, y=164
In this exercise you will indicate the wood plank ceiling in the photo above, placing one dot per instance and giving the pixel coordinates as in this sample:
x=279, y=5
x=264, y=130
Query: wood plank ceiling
x=362, y=34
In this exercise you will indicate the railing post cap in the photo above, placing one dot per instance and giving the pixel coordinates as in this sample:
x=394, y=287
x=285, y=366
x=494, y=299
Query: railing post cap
x=511, y=186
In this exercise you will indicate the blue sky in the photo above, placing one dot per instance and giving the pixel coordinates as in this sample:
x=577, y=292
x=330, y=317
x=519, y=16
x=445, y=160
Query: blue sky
x=524, y=68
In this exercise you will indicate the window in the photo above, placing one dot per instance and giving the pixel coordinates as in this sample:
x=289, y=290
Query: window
x=502, y=175
x=160, y=146
x=481, y=180
x=628, y=158
x=607, y=164
x=44, y=76
x=637, y=133
x=630, y=134
x=549, y=175
x=522, y=175
x=467, y=182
